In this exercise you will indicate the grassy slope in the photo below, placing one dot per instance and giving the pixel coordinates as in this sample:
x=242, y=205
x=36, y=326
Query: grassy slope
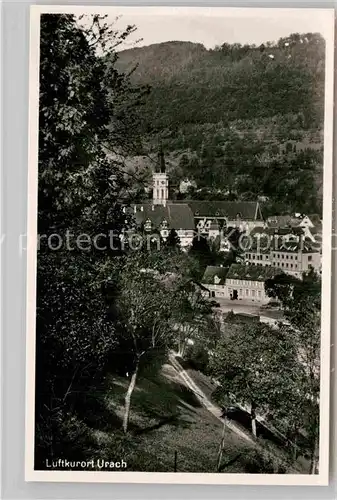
x=165, y=417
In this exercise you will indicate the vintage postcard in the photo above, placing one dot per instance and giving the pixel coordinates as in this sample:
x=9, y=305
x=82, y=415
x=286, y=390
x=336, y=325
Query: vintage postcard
x=179, y=245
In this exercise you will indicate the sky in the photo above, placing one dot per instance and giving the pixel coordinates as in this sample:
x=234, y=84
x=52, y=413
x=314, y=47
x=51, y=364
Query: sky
x=215, y=25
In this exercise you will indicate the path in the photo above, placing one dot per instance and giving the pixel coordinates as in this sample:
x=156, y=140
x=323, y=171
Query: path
x=205, y=401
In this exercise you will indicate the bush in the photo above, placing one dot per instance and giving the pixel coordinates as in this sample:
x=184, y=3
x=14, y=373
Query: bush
x=198, y=357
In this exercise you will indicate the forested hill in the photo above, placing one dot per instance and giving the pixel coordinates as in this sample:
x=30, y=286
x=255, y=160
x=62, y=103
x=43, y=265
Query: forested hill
x=236, y=104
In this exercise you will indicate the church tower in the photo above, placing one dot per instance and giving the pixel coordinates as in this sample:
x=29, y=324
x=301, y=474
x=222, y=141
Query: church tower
x=160, y=181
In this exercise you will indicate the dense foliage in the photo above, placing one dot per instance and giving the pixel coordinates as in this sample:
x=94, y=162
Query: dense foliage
x=79, y=203
x=104, y=310
x=258, y=132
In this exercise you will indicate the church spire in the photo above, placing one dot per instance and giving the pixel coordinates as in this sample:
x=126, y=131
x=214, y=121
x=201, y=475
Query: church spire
x=160, y=181
x=161, y=168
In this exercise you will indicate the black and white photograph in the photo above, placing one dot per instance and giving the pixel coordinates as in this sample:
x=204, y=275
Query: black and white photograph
x=179, y=245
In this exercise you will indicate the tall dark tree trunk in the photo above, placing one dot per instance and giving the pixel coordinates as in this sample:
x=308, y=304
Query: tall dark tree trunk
x=128, y=397
x=253, y=419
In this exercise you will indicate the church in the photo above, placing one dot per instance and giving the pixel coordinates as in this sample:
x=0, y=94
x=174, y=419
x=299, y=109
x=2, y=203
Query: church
x=189, y=217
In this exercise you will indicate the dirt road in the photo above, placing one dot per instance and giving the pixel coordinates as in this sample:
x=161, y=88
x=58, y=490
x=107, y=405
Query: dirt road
x=205, y=401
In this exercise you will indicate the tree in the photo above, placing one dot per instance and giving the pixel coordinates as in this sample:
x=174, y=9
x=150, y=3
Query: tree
x=193, y=315
x=80, y=190
x=254, y=365
x=201, y=251
x=301, y=302
x=173, y=239
x=144, y=311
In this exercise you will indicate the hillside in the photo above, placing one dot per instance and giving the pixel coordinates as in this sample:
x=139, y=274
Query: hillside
x=236, y=113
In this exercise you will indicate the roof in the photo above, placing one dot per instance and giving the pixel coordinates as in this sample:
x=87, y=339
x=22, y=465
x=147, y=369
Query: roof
x=211, y=272
x=281, y=221
x=273, y=231
x=316, y=230
x=247, y=210
x=294, y=247
x=214, y=225
x=252, y=273
x=177, y=216
x=277, y=244
x=315, y=219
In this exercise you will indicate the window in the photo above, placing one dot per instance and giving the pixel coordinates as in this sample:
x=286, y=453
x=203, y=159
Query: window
x=259, y=293
x=147, y=225
x=247, y=292
x=157, y=193
x=287, y=257
x=295, y=257
x=162, y=193
x=291, y=257
x=309, y=257
x=267, y=256
x=291, y=265
x=287, y=264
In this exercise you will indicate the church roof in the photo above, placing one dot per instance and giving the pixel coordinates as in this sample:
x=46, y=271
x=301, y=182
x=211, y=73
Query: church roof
x=211, y=272
x=247, y=210
x=177, y=216
x=252, y=273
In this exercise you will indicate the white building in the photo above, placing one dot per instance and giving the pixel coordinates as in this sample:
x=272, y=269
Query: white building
x=239, y=282
x=292, y=257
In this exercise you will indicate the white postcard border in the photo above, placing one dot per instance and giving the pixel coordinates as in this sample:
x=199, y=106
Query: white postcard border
x=320, y=479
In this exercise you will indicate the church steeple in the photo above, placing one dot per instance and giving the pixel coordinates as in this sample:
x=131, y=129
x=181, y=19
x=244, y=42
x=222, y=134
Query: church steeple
x=160, y=181
x=161, y=167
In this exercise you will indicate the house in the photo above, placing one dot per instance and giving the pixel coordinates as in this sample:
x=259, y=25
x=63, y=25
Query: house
x=247, y=282
x=293, y=257
x=214, y=280
x=239, y=282
x=158, y=218
x=311, y=225
x=244, y=215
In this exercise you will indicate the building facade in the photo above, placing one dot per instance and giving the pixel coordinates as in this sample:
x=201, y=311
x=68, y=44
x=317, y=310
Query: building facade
x=189, y=217
x=292, y=257
x=239, y=282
